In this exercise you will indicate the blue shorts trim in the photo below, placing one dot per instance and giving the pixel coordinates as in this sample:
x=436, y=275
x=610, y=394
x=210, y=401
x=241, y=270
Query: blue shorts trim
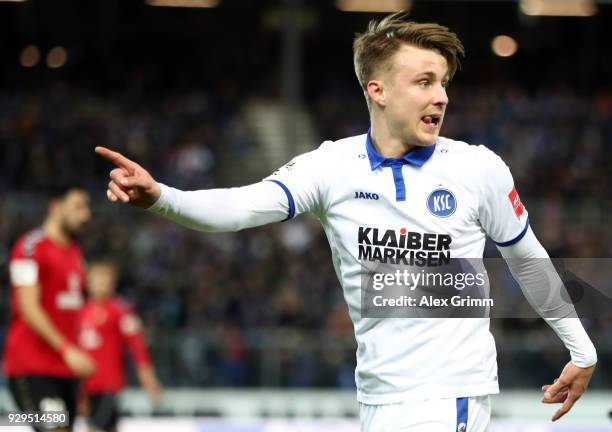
x=462, y=414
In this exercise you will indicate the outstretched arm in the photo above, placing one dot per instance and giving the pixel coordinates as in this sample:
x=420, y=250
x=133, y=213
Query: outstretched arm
x=205, y=210
x=533, y=270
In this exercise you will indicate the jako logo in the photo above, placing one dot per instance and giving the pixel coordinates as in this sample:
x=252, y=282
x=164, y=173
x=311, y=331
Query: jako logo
x=441, y=203
x=366, y=195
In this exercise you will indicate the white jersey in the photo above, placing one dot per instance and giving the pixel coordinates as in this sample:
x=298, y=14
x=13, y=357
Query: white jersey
x=444, y=199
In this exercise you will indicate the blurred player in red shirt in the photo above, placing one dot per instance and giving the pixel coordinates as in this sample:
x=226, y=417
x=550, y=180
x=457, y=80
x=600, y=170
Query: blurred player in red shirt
x=108, y=326
x=41, y=358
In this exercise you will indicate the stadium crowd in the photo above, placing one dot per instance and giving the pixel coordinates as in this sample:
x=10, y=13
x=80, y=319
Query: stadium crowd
x=263, y=306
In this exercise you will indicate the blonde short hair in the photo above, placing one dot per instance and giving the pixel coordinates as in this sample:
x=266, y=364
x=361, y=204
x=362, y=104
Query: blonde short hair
x=373, y=49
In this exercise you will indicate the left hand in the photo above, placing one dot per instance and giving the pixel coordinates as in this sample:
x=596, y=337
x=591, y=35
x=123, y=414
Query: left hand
x=150, y=384
x=155, y=391
x=568, y=388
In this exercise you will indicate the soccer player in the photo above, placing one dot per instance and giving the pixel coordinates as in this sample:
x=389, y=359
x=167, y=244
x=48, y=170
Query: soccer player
x=399, y=191
x=107, y=326
x=41, y=357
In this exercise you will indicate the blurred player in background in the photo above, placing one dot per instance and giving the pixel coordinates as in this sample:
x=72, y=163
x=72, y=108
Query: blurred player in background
x=418, y=374
x=107, y=326
x=47, y=275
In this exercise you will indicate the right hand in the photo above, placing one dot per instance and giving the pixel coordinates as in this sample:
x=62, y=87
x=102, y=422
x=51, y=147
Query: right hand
x=130, y=183
x=80, y=363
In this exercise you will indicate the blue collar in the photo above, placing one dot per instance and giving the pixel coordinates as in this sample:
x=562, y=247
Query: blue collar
x=417, y=156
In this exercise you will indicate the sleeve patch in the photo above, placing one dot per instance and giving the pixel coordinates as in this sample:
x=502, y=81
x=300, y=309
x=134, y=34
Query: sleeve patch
x=517, y=205
x=23, y=272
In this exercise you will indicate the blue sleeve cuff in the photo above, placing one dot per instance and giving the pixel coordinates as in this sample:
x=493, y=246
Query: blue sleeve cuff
x=516, y=239
x=289, y=198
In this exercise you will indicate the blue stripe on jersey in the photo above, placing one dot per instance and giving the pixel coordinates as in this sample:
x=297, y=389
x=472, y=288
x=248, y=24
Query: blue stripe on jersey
x=289, y=198
x=398, y=178
x=462, y=414
x=516, y=239
x=417, y=157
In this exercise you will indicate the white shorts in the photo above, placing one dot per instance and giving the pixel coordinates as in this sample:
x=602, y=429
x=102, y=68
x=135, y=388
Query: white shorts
x=428, y=415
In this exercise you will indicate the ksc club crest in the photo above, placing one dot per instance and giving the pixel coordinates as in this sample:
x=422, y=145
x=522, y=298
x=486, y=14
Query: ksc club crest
x=441, y=203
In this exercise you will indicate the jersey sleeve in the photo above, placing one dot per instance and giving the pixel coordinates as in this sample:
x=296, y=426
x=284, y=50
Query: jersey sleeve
x=218, y=210
x=130, y=328
x=501, y=212
x=26, y=261
x=303, y=181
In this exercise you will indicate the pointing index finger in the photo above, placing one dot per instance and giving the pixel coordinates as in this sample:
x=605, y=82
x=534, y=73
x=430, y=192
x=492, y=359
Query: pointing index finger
x=567, y=405
x=116, y=158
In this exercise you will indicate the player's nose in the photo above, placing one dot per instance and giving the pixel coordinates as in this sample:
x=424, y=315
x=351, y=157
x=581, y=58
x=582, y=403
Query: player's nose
x=440, y=97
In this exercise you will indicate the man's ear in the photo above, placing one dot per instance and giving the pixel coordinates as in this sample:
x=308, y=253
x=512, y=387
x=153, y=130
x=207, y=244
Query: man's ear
x=376, y=92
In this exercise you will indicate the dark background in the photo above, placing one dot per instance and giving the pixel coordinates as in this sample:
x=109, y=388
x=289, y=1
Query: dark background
x=170, y=87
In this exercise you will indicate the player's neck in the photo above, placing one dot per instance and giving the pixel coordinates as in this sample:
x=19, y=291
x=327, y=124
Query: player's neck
x=386, y=143
x=55, y=233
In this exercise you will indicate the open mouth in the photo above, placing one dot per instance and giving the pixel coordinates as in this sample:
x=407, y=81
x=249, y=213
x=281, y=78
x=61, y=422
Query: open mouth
x=431, y=120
